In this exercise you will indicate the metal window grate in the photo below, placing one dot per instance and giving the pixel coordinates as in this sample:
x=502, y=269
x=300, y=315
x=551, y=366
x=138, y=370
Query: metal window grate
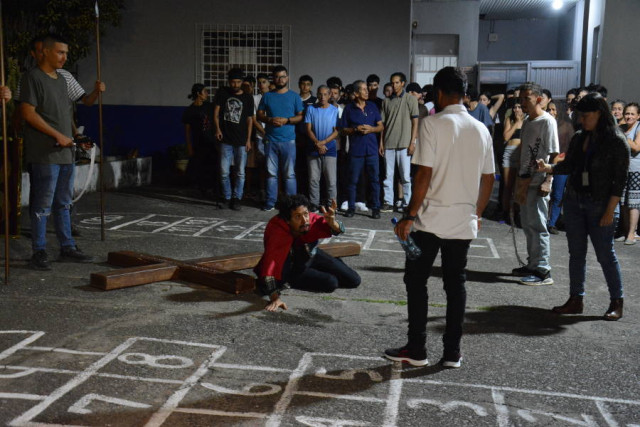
x=254, y=48
x=427, y=66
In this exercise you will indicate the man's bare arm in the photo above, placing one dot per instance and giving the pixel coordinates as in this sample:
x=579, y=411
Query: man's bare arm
x=419, y=188
x=297, y=118
x=486, y=187
x=90, y=99
x=258, y=126
x=262, y=116
x=414, y=136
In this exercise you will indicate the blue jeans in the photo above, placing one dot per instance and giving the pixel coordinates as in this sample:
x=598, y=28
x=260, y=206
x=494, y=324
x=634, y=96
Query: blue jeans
x=280, y=156
x=417, y=272
x=582, y=216
x=237, y=154
x=557, y=191
x=371, y=164
x=404, y=172
x=533, y=216
x=51, y=192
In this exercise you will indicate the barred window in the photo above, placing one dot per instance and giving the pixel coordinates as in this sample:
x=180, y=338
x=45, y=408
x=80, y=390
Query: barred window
x=253, y=48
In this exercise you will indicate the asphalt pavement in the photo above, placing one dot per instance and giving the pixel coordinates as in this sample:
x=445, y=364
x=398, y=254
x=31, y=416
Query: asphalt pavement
x=179, y=354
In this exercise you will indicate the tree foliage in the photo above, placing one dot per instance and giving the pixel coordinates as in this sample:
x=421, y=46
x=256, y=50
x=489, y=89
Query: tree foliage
x=75, y=20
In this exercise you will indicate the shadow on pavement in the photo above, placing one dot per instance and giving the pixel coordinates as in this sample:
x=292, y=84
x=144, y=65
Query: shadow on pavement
x=472, y=275
x=516, y=320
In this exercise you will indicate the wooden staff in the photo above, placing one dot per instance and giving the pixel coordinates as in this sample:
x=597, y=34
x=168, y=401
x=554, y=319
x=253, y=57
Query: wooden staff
x=102, y=151
x=5, y=160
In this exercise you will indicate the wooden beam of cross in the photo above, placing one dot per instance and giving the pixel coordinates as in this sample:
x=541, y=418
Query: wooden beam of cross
x=217, y=272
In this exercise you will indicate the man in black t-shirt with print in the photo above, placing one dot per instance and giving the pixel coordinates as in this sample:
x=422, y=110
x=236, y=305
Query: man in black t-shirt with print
x=233, y=119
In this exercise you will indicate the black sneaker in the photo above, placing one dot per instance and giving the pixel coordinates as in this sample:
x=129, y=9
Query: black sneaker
x=266, y=208
x=313, y=208
x=404, y=354
x=386, y=207
x=73, y=254
x=453, y=360
x=521, y=271
x=350, y=213
x=40, y=261
x=375, y=214
x=234, y=204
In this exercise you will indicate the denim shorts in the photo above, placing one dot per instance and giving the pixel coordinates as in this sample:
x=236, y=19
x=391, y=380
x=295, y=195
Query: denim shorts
x=511, y=156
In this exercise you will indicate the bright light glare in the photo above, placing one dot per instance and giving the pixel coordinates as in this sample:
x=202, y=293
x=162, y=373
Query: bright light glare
x=557, y=4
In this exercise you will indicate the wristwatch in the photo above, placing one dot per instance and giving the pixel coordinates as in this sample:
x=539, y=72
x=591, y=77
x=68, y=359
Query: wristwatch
x=409, y=217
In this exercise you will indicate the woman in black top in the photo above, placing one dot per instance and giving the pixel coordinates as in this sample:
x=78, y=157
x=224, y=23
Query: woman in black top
x=597, y=163
x=511, y=157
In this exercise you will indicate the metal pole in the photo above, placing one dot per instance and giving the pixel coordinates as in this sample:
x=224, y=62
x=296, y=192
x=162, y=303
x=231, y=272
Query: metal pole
x=585, y=43
x=5, y=160
x=100, y=138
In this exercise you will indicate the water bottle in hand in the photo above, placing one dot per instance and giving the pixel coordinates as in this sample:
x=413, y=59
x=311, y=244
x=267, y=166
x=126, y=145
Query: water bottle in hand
x=410, y=248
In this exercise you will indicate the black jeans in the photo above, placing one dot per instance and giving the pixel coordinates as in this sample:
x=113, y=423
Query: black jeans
x=324, y=273
x=454, y=261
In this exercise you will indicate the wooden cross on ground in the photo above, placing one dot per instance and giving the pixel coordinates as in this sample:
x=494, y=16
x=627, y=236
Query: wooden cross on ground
x=216, y=272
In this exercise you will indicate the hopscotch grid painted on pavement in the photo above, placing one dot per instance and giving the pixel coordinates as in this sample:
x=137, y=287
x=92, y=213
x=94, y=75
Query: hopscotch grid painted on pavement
x=396, y=394
x=252, y=231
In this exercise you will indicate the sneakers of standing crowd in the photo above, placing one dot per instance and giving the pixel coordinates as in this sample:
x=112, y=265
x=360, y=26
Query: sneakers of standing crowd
x=349, y=213
x=522, y=271
x=266, y=208
x=361, y=207
x=553, y=230
x=410, y=356
x=375, y=214
x=537, y=279
x=620, y=238
x=386, y=207
x=73, y=254
x=344, y=206
x=40, y=261
x=451, y=360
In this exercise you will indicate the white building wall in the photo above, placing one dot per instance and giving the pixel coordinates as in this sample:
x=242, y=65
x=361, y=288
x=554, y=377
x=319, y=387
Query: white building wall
x=150, y=59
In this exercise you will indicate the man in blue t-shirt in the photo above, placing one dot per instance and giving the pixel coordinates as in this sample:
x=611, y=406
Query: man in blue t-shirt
x=280, y=109
x=321, y=121
x=361, y=121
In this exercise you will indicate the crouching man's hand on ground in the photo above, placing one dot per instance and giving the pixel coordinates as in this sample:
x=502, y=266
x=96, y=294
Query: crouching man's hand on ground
x=275, y=303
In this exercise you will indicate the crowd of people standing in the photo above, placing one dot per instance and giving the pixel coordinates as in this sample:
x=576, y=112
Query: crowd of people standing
x=350, y=145
x=344, y=143
x=312, y=147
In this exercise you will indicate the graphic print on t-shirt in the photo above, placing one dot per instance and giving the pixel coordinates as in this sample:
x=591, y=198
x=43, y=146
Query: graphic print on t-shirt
x=533, y=155
x=233, y=110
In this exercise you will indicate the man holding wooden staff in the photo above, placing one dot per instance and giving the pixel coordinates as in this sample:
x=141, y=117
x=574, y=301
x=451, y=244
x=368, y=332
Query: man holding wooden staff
x=46, y=109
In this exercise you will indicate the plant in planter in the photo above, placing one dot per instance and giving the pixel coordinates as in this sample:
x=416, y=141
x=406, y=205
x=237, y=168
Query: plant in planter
x=179, y=157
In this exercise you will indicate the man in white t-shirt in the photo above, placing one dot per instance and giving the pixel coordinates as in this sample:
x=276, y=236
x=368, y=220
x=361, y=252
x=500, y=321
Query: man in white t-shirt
x=451, y=188
x=539, y=136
